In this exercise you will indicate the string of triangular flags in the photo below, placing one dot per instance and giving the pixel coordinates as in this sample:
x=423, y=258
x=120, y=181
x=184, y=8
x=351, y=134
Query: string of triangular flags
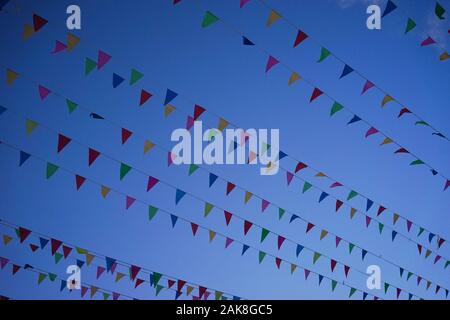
x=301, y=36
x=63, y=141
x=117, y=268
x=336, y=106
x=52, y=168
x=126, y=133
x=53, y=277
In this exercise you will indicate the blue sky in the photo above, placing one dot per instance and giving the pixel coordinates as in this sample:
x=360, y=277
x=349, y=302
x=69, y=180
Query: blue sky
x=212, y=68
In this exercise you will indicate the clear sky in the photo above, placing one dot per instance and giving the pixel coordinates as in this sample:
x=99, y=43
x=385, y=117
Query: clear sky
x=212, y=68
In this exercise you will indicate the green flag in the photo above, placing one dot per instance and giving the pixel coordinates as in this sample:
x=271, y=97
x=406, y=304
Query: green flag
x=209, y=19
x=324, y=53
x=58, y=257
x=380, y=227
x=218, y=295
x=333, y=284
x=106, y=296
x=421, y=230
x=316, y=257
x=409, y=275
x=124, y=169
x=41, y=277
x=416, y=162
x=135, y=76
x=51, y=169
x=281, y=213
x=306, y=186
x=350, y=247
x=264, y=233
x=336, y=108
x=159, y=288
x=208, y=208
x=410, y=25
x=152, y=212
x=156, y=277
x=439, y=10
x=192, y=168
x=421, y=122
x=71, y=106
x=261, y=256
x=89, y=65
x=386, y=287
x=352, y=194
x=352, y=291
x=52, y=276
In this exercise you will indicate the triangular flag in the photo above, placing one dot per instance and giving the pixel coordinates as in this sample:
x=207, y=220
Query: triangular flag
x=247, y=196
x=79, y=181
x=280, y=241
x=125, y=134
x=124, y=169
x=208, y=19
x=212, y=235
x=386, y=99
x=179, y=194
x=148, y=145
x=247, y=226
x=371, y=131
x=63, y=141
x=135, y=76
x=299, y=249
x=222, y=124
x=390, y=6
x=43, y=92
x=72, y=41
x=428, y=41
x=152, y=212
x=315, y=94
x=30, y=125
x=198, y=110
x=117, y=80
x=271, y=61
x=347, y=69
x=170, y=95
x=247, y=41
x=261, y=256
x=89, y=65
x=306, y=186
x=104, y=191
x=273, y=17
x=294, y=77
x=410, y=24
x=354, y=119
x=230, y=187
x=23, y=157
x=174, y=220
x=324, y=53
x=59, y=46
x=336, y=108
x=444, y=56
x=27, y=31
x=71, y=106
x=168, y=109
x=192, y=168
x=301, y=36
x=51, y=169
x=151, y=183
x=11, y=76
x=323, y=234
x=208, y=208
x=145, y=95
x=228, y=216
x=103, y=59
x=316, y=257
x=439, y=11
x=41, y=277
x=6, y=239
x=386, y=141
x=23, y=234
x=38, y=22
x=129, y=202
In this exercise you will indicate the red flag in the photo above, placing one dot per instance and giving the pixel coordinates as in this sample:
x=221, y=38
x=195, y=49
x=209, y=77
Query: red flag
x=33, y=247
x=440, y=242
x=134, y=272
x=338, y=240
x=198, y=110
x=151, y=183
x=301, y=36
x=309, y=227
x=380, y=210
x=408, y=224
x=300, y=166
x=289, y=177
x=194, y=228
x=403, y=111
x=145, y=95
x=336, y=184
x=264, y=205
x=230, y=187
x=338, y=204
x=126, y=134
x=63, y=141
x=138, y=282
x=401, y=150
x=247, y=226
x=23, y=234
x=79, y=180
x=368, y=219
x=180, y=285
x=280, y=241
x=271, y=61
x=307, y=274
x=55, y=245
x=398, y=292
x=447, y=184
x=93, y=155
x=346, y=270
x=419, y=247
x=332, y=264
x=201, y=291
x=15, y=269
x=315, y=94
x=38, y=22
x=278, y=262
x=227, y=217
x=66, y=251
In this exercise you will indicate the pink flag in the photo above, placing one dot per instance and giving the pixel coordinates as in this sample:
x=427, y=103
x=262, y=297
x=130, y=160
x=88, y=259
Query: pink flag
x=371, y=131
x=270, y=63
x=189, y=122
x=264, y=205
x=151, y=182
x=228, y=242
x=289, y=177
x=59, y=46
x=243, y=3
x=447, y=184
x=100, y=270
x=103, y=59
x=129, y=202
x=43, y=92
x=367, y=86
x=427, y=42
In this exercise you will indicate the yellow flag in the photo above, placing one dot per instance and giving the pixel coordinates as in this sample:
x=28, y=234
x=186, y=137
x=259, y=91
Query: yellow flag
x=386, y=99
x=168, y=109
x=320, y=174
x=72, y=41
x=189, y=290
x=444, y=56
x=28, y=30
x=11, y=76
x=212, y=235
x=30, y=125
x=273, y=16
x=148, y=145
x=294, y=77
x=6, y=239
x=222, y=124
x=352, y=213
x=293, y=267
x=105, y=190
x=248, y=195
x=323, y=234
x=386, y=141
x=427, y=254
x=89, y=258
x=119, y=275
x=395, y=218
x=94, y=290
